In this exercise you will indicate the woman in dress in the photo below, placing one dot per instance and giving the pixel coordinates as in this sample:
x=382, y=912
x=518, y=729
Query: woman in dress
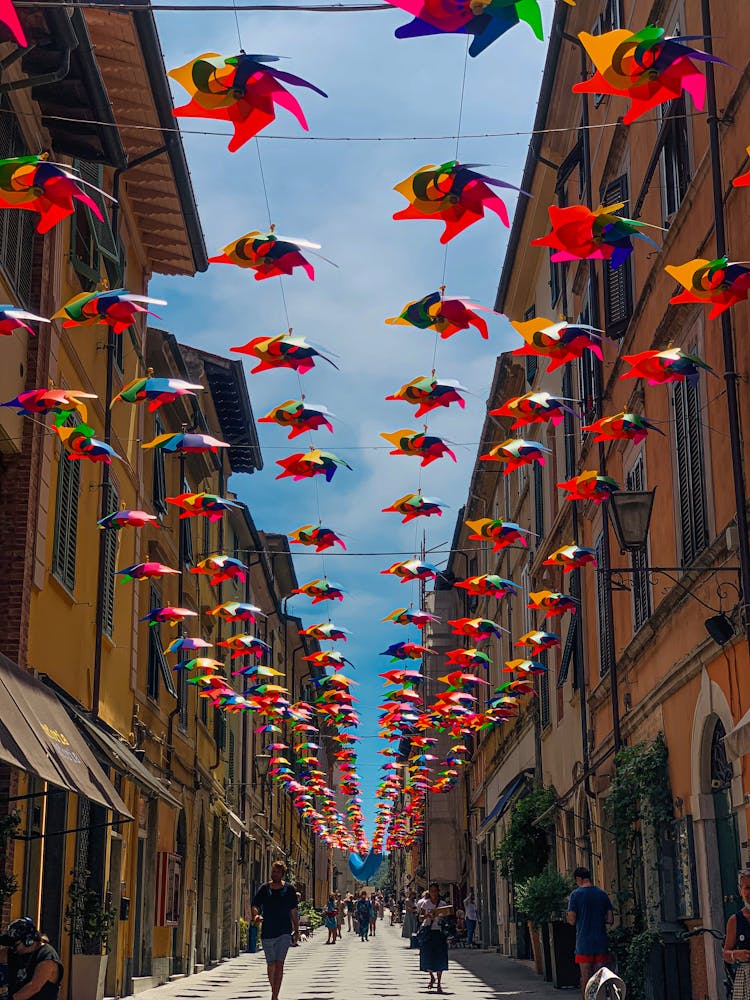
x=329, y=919
x=737, y=941
x=433, y=944
x=409, y=926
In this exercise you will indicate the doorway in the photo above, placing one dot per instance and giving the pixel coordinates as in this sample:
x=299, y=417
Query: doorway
x=727, y=836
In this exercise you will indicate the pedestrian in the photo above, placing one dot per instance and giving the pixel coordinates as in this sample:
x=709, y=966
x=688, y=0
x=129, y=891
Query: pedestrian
x=34, y=967
x=349, y=906
x=589, y=911
x=471, y=914
x=737, y=940
x=373, y=914
x=364, y=908
x=339, y=913
x=329, y=919
x=276, y=902
x=409, y=925
x=400, y=907
x=433, y=944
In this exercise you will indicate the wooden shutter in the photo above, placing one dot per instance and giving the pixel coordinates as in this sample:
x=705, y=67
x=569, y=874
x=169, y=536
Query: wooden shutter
x=110, y=560
x=691, y=490
x=544, y=714
x=66, y=519
x=640, y=589
x=538, y=502
x=532, y=362
x=17, y=229
x=569, y=425
x=606, y=652
x=230, y=761
x=159, y=484
x=187, y=534
x=154, y=643
x=568, y=652
x=618, y=284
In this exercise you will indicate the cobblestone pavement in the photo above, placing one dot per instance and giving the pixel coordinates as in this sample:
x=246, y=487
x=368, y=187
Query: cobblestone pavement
x=382, y=968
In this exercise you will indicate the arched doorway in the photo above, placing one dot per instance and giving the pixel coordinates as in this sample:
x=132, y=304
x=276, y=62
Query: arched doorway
x=727, y=837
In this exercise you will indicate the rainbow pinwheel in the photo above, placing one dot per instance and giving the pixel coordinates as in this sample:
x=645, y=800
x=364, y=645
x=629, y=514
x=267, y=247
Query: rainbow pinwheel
x=524, y=667
x=127, y=519
x=487, y=23
x=580, y=234
x=322, y=538
x=476, y=628
x=269, y=254
x=407, y=651
x=412, y=569
x=647, y=66
x=488, y=585
x=186, y=642
x=539, y=641
x=408, y=616
x=220, y=568
x=12, y=318
x=80, y=443
x=245, y=645
x=716, y=283
x=453, y=194
x=552, y=602
x=415, y=505
x=515, y=453
x=427, y=392
x=51, y=189
x=560, y=342
x=661, y=367
x=444, y=316
x=500, y=533
x=145, y=571
x=117, y=308
x=589, y=485
x=236, y=611
x=282, y=351
x=187, y=444
x=418, y=443
x=467, y=658
x=743, y=180
x=299, y=417
x=321, y=590
x=39, y=402
x=328, y=658
x=199, y=663
x=306, y=465
x=621, y=427
x=242, y=89
x=570, y=557
x=202, y=505
x=326, y=632
x=169, y=614
x=533, y=408
x=157, y=391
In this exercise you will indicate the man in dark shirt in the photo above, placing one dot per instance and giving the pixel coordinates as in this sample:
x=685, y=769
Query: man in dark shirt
x=589, y=911
x=276, y=901
x=34, y=967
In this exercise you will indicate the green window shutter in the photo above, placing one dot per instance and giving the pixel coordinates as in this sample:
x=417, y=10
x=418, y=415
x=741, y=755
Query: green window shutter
x=110, y=560
x=66, y=519
x=17, y=229
x=92, y=240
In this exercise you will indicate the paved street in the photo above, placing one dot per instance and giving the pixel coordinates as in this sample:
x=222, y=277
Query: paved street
x=382, y=967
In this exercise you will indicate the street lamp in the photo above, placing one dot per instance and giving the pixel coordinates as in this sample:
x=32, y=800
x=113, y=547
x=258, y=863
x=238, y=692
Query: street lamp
x=262, y=764
x=631, y=517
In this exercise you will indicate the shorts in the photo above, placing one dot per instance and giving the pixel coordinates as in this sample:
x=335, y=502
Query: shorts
x=592, y=959
x=276, y=948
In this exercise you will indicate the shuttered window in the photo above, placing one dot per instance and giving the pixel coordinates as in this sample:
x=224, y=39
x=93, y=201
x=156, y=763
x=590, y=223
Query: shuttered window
x=606, y=652
x=675, y=156
x=110, y=560
x=538, y=502
x=17, y=229
x=93, y=242
x=640, y=589
x=569, y=425
x=555, y=284
x=568, y=654
x=618, y=284
x=186, y=535
x=220, y=729
x=154, y=642
x=586, y=378
x=532, y=362
x=66, y=517
x=544, y=715
x=159, y=484
x=230, y=761
x=691, y=471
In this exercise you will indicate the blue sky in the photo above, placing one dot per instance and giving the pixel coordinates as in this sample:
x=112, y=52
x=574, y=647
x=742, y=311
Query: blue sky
x=339, y=194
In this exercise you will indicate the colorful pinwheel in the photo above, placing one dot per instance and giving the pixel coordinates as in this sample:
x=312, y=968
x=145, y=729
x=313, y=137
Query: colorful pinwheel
x=407, y=651
x=117, y=308
x=236, y=611
x=415, y=505
x=12, y=318
x=327, y=658
x=220, y=568
x=427, y=392
x=476, y=628
x=306, y=465
x=281, y=351
x=127, y=519
x=552, y=602
x=580, y=234
x=299, y=417
x=418, y=443
x=169, y=614
x=589, y=485
x=444, y=316
x=157, y=391
x=39, y=402
x=186, y=642
x=52, y=189
x=524, y=667
x=326, y=632
x=245, y=645
x=453, y=194
x=269, y=255
x=321, y=590
x=500, y=533
x=412, y=569
x=533, y=408
x=407, y=616
x=79, y=442
x=621, y=427
x=202, y=505
x=145, y=571
x=570, y=557
x=186, y=444
x=487, y=23
x=322, y=538
x=488, y=585
x=647, y=66
x=515, y=453
x=559, y=342
x=716, y=283
x=242, y=89
x=539, y=641
x=661, y=367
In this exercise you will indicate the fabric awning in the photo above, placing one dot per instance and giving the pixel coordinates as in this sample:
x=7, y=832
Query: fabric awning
x=504, y=800
x=37, y=735
x=235, y=824
x=737, y=740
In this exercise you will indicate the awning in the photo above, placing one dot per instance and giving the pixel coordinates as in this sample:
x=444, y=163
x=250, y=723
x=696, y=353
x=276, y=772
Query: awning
x=737, y=740
x=120, y=756
x=505, y=799
x=37, y=735
x=234, y=822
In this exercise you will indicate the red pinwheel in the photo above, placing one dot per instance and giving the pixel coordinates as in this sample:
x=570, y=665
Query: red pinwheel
x=589, y=485
x=299, y=417
x=282, y=351
x=662, y=367
x=716, y=283
x=157, y=391
x=407, y=616
x=116, y=308
x=202, y=505
x=560, y=342
x=552, y=602
x=427, y=393
x=306, y=465
x=407, y=651
x=580, y=234
x=515, y=453
x=220, y=568
x=268, y=254
x=476, y=628
x=328, y=658
x=500, y=533
x=467, y=658
x=36, y=185
x=80, y=443
x=488, y=585
x=322, y=538
x=533, y=408
x=236, y=611
x=245, y=645
x=145, y=571
x=422, y=445
x=621, y=427
x=570, y=557
x=12, y=318
x=321, y=590
x=444, y=316
x=524, y=667
x=412, y=569
x=539, y=641
x=39, y=402
x=325, y=632
x=415, y=505
x=486, y=24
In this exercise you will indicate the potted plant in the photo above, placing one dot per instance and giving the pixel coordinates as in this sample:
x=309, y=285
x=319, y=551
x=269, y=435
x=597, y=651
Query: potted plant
x=89, y=922
x=543, y=898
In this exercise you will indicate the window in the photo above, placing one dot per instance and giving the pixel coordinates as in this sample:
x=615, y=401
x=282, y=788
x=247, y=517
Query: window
x=93, y=243
x=110, y=564
x=586, y=373
x=569, y=425
x=17, y=229
x=230, y=761
x=186, y=534
x=618, y=283
x=66, y=516
x=606, y=651
x=544, y=713
x=555, y=285
x=532, y=362
x=159, y=484
x=691, y=472
x=569, y=649
x=528, y=623
x=640, y=588
x=220, y=728
x=538, y=502
x=675, y=157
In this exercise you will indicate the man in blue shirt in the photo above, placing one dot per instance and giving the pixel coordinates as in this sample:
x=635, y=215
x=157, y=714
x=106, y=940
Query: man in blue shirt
x=589, y=911
x=276, y=902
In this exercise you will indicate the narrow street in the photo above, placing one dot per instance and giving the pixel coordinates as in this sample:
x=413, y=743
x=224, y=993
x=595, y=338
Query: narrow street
x=380, y=968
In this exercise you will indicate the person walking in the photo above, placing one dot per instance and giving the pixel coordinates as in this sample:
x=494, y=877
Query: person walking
x=349, y=907
x=590, y=912
x=364, y=909
x=373, y=914
x=471, y=914
x=737, y=940
x=34, y=967
x=433, y=944
x=339, y=913
x=409, y=925
x=276, y=902
x=329, y=919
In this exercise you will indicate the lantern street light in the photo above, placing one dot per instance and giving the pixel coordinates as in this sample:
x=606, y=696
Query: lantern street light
x=631, y=517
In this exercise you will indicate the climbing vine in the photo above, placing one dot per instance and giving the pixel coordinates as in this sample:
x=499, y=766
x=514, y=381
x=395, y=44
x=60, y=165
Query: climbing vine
x=524, y=849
